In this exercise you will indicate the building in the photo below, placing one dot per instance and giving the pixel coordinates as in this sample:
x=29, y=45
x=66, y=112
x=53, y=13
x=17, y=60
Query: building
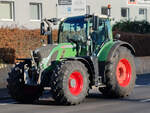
x=122, y=9
x=25, y=13
x=28, y=13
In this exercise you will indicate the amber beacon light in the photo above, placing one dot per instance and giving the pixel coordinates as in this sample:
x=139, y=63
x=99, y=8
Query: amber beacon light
x=109, y=6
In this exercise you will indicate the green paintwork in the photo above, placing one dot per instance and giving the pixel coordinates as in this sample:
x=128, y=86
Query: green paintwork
x=103, y=53
x=66, y=50
x=70, y=51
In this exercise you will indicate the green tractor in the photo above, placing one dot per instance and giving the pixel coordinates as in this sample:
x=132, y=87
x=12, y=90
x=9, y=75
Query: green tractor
x=85, y=55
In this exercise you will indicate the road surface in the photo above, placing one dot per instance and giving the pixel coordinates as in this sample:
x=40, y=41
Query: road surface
x=137, y=102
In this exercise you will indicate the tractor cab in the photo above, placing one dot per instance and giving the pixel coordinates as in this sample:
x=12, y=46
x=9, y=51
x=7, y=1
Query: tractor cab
x=88, y=32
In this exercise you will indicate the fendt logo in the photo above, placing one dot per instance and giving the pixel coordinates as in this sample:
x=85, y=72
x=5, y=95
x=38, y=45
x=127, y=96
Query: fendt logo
x=139, y=2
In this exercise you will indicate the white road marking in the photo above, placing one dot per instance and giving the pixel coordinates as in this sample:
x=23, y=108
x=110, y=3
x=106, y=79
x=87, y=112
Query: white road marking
x=142, y=85
x=146, y=100
x=3, y=104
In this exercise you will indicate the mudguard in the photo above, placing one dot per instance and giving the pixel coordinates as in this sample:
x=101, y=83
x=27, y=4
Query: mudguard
x=119, y=43
x=110, y=51
x=113, y=49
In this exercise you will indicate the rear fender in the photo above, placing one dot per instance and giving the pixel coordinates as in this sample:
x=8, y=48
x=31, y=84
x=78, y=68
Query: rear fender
x=117, y=44
x=112, y=51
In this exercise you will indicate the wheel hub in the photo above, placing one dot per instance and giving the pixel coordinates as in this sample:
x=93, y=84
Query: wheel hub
x=75, y=83
x=123, y=72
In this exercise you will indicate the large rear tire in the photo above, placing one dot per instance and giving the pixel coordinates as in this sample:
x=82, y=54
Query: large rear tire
x=18, y=90
x=70, y=82
x=120, y=74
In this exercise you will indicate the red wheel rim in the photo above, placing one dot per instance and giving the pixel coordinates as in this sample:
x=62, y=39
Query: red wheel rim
x=75, y=83
x=123, y=72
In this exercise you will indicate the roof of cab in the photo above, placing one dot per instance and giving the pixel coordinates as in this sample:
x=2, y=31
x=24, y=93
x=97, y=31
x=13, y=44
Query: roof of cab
x=81, y=18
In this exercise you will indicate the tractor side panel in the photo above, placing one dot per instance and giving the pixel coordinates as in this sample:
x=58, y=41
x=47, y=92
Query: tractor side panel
x=102, y=57
x=103, y=53
x=66, y=50
x=63, y=50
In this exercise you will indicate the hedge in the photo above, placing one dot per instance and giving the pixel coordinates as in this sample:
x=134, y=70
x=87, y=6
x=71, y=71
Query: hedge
x=140, y=27
x=140, y=42
x=17, y=43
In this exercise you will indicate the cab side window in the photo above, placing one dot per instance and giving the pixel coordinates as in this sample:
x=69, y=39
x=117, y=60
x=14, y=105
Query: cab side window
x=98, y=36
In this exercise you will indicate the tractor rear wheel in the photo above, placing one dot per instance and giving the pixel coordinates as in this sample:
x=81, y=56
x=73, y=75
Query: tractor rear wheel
x=70, y=82
x=120, y=74
x=18, y=90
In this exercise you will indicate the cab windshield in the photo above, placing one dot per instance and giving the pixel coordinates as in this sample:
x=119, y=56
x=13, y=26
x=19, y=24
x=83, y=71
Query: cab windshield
x=71, y=28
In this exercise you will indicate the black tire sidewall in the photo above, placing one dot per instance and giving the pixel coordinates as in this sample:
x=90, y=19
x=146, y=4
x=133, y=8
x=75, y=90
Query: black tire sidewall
x=128, y=56
x=60, y=82
x=67, y=92
x=113, y=88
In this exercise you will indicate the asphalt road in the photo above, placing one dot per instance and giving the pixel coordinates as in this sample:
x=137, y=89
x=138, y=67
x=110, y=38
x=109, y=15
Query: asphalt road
x=137, y=102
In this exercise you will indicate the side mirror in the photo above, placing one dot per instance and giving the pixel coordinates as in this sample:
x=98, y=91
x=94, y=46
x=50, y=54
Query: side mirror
x=42, y=28
x=95, y=22
x=117, y=36
x=54, y=21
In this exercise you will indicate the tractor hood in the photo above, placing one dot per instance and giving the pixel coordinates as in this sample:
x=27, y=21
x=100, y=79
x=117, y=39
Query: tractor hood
x=43, y=52
x=53, y=52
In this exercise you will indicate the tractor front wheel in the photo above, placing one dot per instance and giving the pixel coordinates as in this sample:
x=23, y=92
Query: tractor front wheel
x=120, y=74
x=70, y=82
